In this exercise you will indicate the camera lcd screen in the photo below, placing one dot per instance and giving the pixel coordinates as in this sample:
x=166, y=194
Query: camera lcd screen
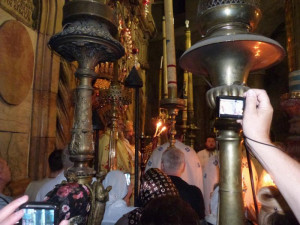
x=230, y=107
x=38, y=213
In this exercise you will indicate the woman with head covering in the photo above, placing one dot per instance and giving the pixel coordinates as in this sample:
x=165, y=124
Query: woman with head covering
x=73, y=201
x=274, y=209
x=115, y=206
x=155, y=184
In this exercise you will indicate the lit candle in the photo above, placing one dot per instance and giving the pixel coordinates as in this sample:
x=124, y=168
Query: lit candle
x=162, y=130
x=157, y=127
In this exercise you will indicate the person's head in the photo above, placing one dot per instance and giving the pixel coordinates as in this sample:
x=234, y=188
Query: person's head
x=155, y=184
x=5, y=175
x=274, y=209
x=169, y=210
x=73, y=201
x=116, y=179
x=129, y=131
x=55, y=160
x=210, y=143
x=173, y=162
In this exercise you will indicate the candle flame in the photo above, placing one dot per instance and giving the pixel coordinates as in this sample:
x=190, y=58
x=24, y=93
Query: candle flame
x=162, y=130
x=157, y=127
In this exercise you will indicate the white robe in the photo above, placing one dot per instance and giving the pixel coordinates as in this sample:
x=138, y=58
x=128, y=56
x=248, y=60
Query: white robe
x=192, y=173
x=115, y=207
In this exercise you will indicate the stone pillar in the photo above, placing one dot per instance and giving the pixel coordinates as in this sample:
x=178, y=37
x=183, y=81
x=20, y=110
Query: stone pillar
x=45, y=88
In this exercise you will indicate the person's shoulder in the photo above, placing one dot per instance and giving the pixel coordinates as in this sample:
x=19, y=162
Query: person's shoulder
x=184, y=148
x=202, y=152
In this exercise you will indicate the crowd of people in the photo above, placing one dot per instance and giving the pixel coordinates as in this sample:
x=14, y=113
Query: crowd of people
x=179, y=185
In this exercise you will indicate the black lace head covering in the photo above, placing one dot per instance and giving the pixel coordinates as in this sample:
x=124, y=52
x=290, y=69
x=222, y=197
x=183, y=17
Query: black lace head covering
x=155, y=184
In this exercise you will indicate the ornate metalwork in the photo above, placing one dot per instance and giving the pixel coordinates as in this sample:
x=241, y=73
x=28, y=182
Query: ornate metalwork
x=26, y=11
x=225, y=18
x=227, y=54
x=115, y=94
x=87, y=39
x=208, y=4
x=116, y=97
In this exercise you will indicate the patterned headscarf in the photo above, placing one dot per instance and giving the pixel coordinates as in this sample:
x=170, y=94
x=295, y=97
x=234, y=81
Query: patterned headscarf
x=155, y=184
x=73, y=200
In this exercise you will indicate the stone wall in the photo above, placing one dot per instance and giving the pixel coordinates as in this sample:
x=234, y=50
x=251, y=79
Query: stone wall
x=29, y=74
x=16, y=116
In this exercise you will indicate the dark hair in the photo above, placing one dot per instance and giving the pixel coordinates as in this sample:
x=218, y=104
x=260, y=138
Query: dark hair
x=210, y=136
x=55, y=160
x=169, y=210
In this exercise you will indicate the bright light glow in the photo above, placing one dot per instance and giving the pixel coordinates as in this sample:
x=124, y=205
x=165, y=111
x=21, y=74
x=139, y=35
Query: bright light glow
x=157, y=127
x=229, y=70
x=267, y=180
x=227, y=11
x=162, y=130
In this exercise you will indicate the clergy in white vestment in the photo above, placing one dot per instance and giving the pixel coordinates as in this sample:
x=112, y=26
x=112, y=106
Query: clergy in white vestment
x=192, y=173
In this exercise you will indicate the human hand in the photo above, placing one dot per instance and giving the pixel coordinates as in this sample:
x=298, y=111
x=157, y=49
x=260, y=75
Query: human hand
x=257, y=115
x=9, y=215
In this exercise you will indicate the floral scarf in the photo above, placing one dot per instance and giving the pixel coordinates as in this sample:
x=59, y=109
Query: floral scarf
x=73, y=200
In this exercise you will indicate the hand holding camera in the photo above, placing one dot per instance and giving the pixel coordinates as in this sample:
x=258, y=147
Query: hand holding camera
x=230, y=107
x=257, y=116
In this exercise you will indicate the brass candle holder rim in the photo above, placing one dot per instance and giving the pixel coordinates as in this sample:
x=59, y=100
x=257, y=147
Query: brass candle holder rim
x=92, y=9
x=191, y=58
x=231, y=13
x=172, y=103
x=60, y=44
x=205, y=5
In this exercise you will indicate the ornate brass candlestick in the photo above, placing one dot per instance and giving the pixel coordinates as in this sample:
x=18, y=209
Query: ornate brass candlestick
x=227, y=54
x=117, y=97
x=87, y=39
x=185, y=85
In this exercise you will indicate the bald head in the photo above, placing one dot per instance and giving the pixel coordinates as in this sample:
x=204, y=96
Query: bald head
x=172, y=162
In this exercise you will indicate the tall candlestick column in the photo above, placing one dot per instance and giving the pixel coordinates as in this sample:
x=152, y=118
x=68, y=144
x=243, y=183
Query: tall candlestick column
x=172, y=103
x=165, y=70
x=87, y=39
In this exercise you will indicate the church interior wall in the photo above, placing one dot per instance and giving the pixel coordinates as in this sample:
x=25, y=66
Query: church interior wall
x=15, y=119
x=28, y=130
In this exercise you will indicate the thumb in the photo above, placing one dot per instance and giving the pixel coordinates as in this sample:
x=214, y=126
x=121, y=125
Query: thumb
x=251, y=102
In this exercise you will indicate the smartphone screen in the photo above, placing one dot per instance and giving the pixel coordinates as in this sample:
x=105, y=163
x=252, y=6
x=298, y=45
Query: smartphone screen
x=38, y=213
